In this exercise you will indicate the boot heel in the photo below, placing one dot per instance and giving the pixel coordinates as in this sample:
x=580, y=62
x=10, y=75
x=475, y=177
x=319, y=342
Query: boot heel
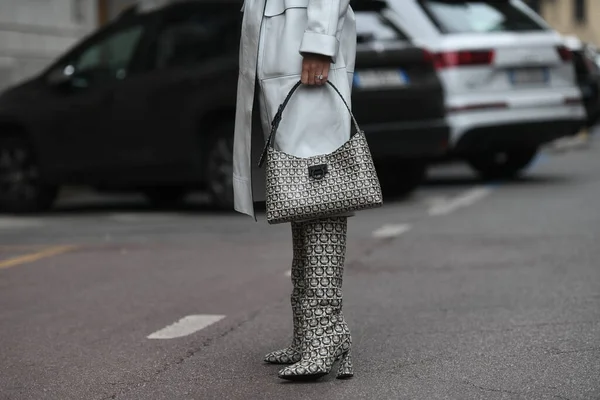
x=345, y=370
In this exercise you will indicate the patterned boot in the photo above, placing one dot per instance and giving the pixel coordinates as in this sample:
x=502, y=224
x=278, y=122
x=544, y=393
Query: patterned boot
x=291, y=354
x=326, y=334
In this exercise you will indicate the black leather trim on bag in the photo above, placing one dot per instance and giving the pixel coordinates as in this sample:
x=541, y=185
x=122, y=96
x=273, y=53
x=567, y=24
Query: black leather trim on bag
x=326, y=185
x=277, y=119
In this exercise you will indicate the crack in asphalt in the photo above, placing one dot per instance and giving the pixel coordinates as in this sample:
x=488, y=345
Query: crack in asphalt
x=190, y=353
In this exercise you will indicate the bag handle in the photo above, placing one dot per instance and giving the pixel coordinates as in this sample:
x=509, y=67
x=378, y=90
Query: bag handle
x=278, y=115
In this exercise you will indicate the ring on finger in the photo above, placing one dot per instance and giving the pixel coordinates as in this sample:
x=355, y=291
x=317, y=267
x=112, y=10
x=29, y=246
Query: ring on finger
x=319, y=77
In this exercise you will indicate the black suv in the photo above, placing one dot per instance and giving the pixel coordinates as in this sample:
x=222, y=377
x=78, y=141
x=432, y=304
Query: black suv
x=147, y=103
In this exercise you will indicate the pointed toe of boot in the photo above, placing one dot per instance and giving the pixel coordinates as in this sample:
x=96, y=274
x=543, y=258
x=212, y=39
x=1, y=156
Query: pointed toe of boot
x=303, y=371
x=301, y=374
x=284, y=356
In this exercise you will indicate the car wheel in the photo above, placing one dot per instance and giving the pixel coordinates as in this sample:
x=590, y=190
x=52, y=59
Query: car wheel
x=219, y=166
x=502, y=164
x=164, y=197
x=400, y=179
x=21, y=187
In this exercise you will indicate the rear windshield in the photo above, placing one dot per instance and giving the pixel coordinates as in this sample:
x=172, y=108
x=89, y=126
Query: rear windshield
x=372, y=26
x=481, y=16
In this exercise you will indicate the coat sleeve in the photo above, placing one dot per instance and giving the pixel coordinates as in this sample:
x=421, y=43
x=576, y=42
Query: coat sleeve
x=325, y=23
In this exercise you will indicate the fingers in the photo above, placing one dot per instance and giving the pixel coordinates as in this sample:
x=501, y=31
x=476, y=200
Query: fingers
x=312, y=73
x=305, y=73
x=313, y=68
x=324, y=73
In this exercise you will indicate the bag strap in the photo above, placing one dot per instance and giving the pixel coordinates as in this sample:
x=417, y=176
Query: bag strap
x=278, y=115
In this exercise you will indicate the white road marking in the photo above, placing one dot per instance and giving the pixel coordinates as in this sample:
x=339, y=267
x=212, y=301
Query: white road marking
x=435, y=201
x=390, y=231
x=467, y=199
x=186, y=326
x=10, y=223
x=571, y=143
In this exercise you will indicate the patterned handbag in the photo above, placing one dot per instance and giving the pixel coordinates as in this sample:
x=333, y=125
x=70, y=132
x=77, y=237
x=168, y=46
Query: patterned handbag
x=321, y=186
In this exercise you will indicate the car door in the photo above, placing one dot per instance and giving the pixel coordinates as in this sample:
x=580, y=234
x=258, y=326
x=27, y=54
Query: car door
x=190, y=66
x=81, y=132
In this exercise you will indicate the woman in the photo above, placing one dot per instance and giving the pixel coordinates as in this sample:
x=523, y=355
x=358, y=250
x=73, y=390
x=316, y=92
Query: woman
x=314, y=41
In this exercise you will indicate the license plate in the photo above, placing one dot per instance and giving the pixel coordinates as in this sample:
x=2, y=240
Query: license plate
x=380, y=79
x=529, y=76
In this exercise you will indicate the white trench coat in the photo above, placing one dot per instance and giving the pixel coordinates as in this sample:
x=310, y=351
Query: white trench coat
x=274, y=34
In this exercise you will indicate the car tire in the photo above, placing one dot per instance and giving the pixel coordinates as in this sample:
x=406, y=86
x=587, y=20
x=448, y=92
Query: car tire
x=21, y=187
x=218, y=167
x=400, y=179
x=165, y=196
x=502, y=164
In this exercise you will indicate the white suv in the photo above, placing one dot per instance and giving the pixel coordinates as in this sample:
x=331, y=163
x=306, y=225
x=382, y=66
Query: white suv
x=509, y=81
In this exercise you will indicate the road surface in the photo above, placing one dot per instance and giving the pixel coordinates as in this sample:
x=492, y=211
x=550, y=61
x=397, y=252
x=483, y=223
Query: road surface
x=464, y=291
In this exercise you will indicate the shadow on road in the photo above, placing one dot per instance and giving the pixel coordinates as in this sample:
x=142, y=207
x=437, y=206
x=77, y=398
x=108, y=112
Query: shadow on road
x=88, y=202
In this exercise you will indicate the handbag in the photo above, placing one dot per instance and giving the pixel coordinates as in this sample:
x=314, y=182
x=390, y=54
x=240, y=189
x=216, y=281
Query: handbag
x=322, y=186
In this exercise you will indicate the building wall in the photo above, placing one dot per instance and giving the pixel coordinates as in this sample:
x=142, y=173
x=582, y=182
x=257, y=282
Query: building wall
x=560, y=14
x=34, y=32
x=114, y=7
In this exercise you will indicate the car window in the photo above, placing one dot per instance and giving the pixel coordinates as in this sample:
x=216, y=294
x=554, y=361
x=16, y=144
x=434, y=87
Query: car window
x=195, y=36
x=110, y=57
x=372, y=26
x=460, y=16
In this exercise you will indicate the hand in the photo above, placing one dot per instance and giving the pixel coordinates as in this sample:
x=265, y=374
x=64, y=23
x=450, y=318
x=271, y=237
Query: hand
x=313, y=66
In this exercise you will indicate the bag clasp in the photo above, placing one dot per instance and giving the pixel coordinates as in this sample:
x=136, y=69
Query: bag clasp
x=317, y=171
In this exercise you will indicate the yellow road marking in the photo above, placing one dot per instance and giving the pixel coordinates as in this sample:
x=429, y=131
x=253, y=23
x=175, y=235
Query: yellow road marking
x=29, y=258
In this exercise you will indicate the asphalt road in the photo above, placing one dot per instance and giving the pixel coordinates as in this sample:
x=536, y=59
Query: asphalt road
x=464, y=291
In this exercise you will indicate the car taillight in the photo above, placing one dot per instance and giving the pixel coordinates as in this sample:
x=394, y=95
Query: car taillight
x=450, y=59
x=564, y=53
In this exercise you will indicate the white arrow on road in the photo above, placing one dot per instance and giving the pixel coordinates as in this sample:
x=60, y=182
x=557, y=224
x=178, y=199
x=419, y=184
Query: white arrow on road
x=390, y=231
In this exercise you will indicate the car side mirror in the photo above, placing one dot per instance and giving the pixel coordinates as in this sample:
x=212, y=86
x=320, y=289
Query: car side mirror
x=60, y=76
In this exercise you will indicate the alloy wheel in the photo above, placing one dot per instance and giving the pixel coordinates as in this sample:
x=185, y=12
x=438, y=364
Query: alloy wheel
x=21, y=189
x=220, y=170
